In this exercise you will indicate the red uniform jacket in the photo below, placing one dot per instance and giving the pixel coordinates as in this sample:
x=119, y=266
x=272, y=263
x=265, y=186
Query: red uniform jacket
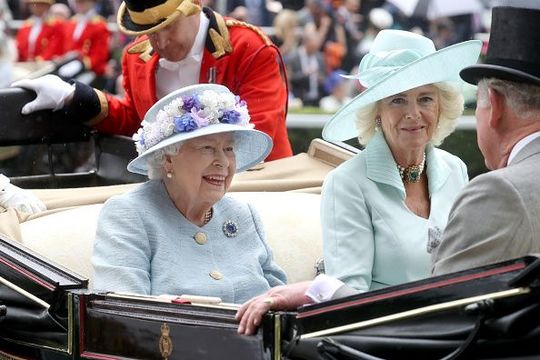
x=49, y=43
x=92, y=45
x=243, y=59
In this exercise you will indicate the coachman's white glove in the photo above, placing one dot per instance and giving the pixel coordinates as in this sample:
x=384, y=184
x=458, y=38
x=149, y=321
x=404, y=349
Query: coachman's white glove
x=12, y=196
x=51, y=91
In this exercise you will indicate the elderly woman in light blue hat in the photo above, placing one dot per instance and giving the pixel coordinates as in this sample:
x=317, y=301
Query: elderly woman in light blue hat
x=383, y=211
x=179, y=233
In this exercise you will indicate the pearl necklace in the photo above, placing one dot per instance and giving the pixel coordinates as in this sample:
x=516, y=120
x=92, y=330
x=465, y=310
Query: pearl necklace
x=208, y=216
x=412, y=173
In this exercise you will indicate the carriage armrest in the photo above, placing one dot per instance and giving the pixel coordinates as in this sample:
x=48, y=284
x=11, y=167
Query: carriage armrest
x=40, y=127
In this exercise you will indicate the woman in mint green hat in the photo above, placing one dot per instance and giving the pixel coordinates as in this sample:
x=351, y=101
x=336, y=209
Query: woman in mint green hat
x=383, y=211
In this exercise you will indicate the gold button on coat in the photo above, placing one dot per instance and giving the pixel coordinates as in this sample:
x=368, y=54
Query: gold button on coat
x=216, y=275
x=200, y=238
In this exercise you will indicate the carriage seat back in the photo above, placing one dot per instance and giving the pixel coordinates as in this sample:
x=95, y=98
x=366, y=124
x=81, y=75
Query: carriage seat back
x=291, y=221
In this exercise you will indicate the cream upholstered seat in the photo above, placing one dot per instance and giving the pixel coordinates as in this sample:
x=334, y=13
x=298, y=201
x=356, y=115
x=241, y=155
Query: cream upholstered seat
x=291, y=222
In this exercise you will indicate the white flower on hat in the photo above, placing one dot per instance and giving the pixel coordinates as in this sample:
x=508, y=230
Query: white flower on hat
x=185, y=114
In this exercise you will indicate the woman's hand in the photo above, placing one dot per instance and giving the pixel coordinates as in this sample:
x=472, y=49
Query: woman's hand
x=284, y=297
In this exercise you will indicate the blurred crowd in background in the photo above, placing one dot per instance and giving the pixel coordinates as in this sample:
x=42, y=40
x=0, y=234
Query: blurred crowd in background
x=320, y=40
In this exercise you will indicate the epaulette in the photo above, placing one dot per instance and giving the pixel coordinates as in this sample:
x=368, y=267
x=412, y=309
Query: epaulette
x=262, y=35
x=144, y=48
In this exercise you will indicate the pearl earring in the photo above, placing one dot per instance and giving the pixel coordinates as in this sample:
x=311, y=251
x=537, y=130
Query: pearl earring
x=378, y=121
x=169, y=175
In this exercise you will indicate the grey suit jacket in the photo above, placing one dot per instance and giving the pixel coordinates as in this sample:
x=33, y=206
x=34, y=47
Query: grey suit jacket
x=495, y=218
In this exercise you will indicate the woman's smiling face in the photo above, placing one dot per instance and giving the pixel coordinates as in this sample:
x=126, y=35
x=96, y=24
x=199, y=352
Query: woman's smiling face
x=204, y=167
x=408, y=119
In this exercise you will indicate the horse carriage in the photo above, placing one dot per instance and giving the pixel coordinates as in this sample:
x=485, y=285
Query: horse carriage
x=49, y=311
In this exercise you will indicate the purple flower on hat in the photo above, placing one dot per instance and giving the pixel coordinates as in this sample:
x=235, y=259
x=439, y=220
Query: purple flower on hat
x=184, y=123
x=191, y=102
x=239, y=101
x=199, y=117
x=230, y=117
x=188, y=113
x=141, y=138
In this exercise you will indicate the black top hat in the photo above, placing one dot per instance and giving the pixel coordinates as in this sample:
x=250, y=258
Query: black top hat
x=514, y=48
x=137, y=17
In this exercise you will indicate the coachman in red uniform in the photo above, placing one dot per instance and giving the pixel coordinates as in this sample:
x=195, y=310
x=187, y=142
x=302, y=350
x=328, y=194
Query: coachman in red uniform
x=41, y=37
x=87, y=33
x=178, y=45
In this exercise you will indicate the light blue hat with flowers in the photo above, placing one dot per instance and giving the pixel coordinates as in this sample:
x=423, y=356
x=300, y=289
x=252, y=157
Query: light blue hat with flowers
x=195, y=111
x=399, y=61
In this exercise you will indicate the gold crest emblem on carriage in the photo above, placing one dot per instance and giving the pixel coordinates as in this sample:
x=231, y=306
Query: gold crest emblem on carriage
x=165, y=343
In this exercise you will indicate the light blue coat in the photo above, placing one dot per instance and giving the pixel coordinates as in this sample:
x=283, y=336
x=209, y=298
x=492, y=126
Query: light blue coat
x=370, y=238
x=144, y=245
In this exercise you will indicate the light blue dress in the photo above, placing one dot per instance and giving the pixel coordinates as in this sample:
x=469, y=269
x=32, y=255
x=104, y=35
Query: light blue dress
x=144, y=245
x=370, y=238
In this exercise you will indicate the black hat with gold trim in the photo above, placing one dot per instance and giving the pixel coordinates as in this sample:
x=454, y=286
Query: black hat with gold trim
x=137, y=17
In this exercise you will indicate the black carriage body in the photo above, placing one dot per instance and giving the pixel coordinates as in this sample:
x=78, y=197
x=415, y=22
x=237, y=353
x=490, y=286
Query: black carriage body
x=492, y=312
x=122, y=327
x=38, y=301
x=51, y=314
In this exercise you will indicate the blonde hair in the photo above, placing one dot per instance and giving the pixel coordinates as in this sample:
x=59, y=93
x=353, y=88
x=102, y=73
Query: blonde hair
x=284, y=22
x=451, y=107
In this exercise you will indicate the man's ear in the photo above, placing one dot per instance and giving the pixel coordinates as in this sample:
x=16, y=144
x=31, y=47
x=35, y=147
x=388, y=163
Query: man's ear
x=497, y=102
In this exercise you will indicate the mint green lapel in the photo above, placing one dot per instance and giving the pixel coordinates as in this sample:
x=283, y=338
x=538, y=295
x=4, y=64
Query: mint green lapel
x=438, y=170
x=380, y=164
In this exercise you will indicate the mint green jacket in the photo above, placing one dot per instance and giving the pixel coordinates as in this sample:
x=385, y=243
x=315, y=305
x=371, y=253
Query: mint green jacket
x=370, y=238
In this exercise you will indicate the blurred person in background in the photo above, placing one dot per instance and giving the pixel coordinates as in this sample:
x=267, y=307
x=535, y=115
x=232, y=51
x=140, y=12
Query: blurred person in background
x=41, y=37
x=178, y=45
x=337, y=88
x=319, y=18
x=286, y=35
x=254, y=11
x=349, y=17
x=60, y=11
x=87, y=34
x=306, y=70
x=378, y=19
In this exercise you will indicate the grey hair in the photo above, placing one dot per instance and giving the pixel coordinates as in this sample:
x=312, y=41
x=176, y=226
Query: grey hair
x=156, y=160
x=451, y=107
x=523, y=99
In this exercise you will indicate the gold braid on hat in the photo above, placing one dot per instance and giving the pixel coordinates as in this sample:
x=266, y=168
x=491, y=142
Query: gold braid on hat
x=169, y=11
x=154, y=14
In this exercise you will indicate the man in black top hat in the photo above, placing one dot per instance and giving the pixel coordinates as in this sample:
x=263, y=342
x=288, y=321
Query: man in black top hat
x=178, y=44
x=497, y=216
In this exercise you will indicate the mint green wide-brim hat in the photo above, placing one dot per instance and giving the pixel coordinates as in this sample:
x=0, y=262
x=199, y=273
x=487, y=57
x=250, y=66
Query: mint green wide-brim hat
x=251, y=146
x=399, y=61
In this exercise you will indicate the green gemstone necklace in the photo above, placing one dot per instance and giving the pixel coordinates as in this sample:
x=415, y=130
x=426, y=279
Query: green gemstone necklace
x=412, y=173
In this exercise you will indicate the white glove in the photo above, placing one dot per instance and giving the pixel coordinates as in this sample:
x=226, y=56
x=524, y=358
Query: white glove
x=52, y=92
x=12, y=196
